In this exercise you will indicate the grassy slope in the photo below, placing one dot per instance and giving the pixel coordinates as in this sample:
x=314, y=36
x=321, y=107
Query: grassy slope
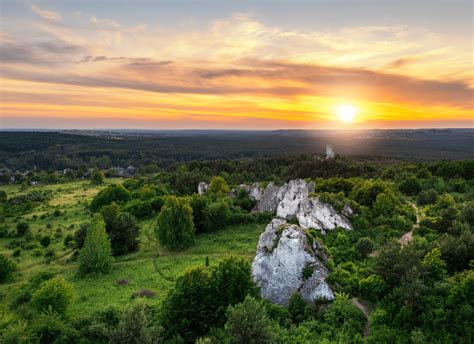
x=152, y=267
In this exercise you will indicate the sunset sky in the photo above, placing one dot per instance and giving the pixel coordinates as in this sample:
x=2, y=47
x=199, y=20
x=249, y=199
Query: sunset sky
x=236, y=64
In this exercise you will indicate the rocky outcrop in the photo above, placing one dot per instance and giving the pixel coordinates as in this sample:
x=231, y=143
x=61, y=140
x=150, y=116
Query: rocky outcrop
x=290, y=197
x=269, y=200
x=202, y=188
x=316, y=214
x=347, y=211
x=287, y=262
x=256, y=192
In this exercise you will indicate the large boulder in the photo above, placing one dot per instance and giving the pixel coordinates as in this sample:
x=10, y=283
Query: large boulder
x=290, y=197
x=289, y=262
x=256, y=192
x=269, y=200
x=316, y=214
x=202, y=188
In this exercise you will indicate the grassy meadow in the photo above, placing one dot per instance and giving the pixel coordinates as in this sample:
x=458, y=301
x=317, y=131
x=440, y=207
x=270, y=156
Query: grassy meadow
x=152, y=267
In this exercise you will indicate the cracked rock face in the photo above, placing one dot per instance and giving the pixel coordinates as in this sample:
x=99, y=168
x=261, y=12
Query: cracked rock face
x=269, y=200
x=316, y=214
x=290, y=197
x=202, y=188
x=256, y=192
x=288, y=262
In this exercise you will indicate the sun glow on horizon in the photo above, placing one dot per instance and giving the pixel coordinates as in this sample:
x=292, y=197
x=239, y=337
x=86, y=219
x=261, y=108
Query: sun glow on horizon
x=346, y=113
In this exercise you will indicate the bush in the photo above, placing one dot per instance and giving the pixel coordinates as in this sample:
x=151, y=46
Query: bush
x=26, y=290
x=7, y=267
x=136, y=326
x=410, y=186
x=96, y=255
x=97, y=177
x=248, y=323
x=218, y=187
x=232, y=282
x=244, y=201
x=45, y=241
x=54, y=294
x=112, y=193
x=21, y=229
x=427, y=197
x=219, y=215
x=372, y=287
x=200, y=206
x=364, y=246
x=189, y=309
x=122, y=230
x=175, y=228
x=50, y=327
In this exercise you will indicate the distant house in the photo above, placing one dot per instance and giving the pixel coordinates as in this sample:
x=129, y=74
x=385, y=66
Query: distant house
x=124, y=172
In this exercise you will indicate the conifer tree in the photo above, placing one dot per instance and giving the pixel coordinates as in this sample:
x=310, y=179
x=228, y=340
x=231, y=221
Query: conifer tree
x=96, y=255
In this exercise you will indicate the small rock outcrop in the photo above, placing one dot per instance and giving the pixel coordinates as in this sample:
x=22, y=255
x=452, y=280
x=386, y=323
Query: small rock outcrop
x=269, y=200
x=287, y=262
x=347, y=211
x=290, y=197
x=316, y=214
x=256, y=192
x=202, y=188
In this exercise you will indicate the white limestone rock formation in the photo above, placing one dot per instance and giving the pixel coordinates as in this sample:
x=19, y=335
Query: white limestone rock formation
x=256, y=192
x=269, y=200
x=316, y=214
x=291, y=195
x=202, y=188
x=347, y=211
x=287, y=261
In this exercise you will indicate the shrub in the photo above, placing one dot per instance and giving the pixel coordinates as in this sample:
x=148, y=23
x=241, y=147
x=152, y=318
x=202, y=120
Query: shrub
x=219, y=215
x=175, y=228
x=7, y=267
x=218, y=187
x=24, y=292
x=54, y=294
x=112, y=193
x=122, y=230
x=188, y=310
x=97, y=177
x=80, y=235
x=248, y=323
x=21, y=228
x=427, y=197
x=364, y=246
x=96, y=255
x=136, y=326
x=50, y=327
x=45, y=241
x=244, y=201
x=410, y=186
x=372, y=287
x=232, y=282
x=200, y=206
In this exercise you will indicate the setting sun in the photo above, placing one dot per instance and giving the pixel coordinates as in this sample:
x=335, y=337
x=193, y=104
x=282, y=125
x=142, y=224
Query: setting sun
x=346, y=113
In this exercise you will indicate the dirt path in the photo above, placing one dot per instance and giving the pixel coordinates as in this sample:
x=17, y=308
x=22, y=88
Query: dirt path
x=366, y=312
x=407, y=237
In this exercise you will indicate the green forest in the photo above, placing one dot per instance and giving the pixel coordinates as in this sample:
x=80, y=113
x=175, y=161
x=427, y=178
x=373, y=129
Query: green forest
x=87, y=256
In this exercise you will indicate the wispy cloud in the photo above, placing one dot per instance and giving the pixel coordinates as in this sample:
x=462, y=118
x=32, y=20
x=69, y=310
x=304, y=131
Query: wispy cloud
x=49, y=16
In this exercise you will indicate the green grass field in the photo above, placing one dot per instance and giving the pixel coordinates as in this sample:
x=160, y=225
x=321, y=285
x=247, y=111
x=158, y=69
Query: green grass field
x=152, y=267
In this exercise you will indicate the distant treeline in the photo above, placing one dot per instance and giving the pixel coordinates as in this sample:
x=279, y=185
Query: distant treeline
x=54, y=151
